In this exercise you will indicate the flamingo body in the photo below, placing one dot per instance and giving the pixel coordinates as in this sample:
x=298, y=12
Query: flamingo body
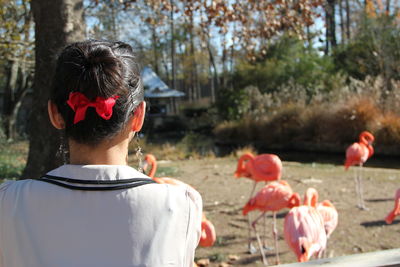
x=356, y=154
x=359, y=152
x=396, y=210
x=329, y=215
x=264, y=167
x=304, y=232
x=274, y=196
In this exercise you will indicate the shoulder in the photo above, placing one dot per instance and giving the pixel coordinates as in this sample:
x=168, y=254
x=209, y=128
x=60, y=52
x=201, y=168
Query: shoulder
x=5, y=185
x=10, y=187
x=177, y=192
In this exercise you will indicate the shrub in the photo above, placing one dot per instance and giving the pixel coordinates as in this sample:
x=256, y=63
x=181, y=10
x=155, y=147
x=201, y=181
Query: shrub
x=335, y=124
x=231, y=103
x=389, y=130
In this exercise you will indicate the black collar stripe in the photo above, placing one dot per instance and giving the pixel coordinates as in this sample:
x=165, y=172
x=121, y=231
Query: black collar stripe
x=128, y=183
x=97, y=182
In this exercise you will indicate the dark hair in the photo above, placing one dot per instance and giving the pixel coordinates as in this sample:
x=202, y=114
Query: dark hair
x=97, y=69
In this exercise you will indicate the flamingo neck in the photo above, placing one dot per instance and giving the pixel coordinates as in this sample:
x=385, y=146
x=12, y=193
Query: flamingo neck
x=153, y=169
x=366, y=138
x=246, y=157
x=370, y=150
x=311, y=197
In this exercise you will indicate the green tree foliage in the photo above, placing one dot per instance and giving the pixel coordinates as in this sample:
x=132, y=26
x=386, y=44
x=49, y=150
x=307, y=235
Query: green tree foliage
x=286, y=60
x=374, y=50
x=232, y=103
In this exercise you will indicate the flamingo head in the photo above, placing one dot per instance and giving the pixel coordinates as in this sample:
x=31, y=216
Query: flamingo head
x=303, y=250
x=294, y=201
x=366, y=138
x=241, y=170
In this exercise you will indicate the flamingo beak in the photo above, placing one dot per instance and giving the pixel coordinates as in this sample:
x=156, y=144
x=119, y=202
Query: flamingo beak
x=304, y=254
x=303, y=257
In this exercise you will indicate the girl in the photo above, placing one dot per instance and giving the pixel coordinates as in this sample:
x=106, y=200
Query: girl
x=97, y=211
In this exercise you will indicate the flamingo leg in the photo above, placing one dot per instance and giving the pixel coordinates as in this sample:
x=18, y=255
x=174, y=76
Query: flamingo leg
x=325, y=254
x=250, y=246
x=264, y=259
x=254, y=188
x=265, y=233
x=362, y=204
x=356, y=183
x=275, y=233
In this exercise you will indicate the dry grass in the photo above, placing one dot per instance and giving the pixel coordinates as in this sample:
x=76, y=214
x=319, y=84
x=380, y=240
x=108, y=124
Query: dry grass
x=237, y=153
x=191, y=146
x=388, y=132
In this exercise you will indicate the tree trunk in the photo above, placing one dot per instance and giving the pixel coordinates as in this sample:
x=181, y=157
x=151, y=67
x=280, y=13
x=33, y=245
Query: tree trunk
x=9, y=95
x=214, y=78
x=330, y=26
x=173, y=46
x=57, y=23
x=14, y=114
x=194, y=77
x=342, y=30
x=155, y=52
x=348, y=20
x=388, y=7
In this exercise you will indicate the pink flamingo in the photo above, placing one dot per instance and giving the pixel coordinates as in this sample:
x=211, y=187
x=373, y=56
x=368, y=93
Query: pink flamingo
x=273, y=197
x=208, y=234
x=357, y=154
x=304, y=231
x=264, y=167
x=396, y=210
x=325, y=208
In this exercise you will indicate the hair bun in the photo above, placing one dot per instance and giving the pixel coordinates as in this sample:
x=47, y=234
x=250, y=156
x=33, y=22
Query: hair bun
x=100, y=55
x=102, y=75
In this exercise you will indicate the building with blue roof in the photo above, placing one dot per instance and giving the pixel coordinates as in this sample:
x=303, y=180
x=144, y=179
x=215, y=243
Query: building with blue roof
x=162, y=99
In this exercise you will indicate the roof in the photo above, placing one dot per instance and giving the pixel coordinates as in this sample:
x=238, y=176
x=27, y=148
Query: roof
x=154, y=87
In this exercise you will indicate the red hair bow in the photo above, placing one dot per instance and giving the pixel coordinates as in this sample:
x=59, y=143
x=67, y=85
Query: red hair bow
x=79, y=103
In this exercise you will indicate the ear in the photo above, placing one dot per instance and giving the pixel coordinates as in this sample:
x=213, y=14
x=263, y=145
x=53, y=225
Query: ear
x=55, y=117
x=138, y=117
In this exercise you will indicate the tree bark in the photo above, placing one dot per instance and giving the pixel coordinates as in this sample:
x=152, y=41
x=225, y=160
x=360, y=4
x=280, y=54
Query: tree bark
x=348, y=20
x=57, y=23
x=214, y=78
x=9, y=95
x=387, y=7
x=342, y=30
x=155, y=50
x=330, y=26
x=173, y=46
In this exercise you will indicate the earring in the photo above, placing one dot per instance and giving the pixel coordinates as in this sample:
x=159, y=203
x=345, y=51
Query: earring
x=139, y=154
x=62, y=152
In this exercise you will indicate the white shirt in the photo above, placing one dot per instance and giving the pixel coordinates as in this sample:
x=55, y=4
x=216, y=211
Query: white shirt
x=45, y=225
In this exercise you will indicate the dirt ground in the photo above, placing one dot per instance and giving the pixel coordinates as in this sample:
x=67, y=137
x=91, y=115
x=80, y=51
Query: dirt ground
x=223, y=195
